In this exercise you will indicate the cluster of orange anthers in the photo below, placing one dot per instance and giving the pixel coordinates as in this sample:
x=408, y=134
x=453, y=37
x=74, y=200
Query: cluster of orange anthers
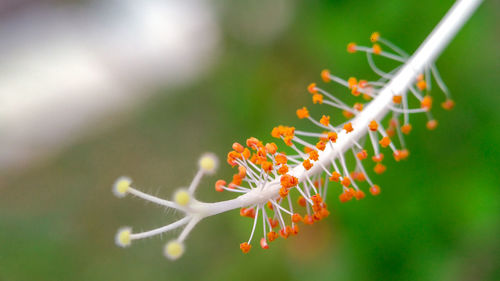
x=259, y=163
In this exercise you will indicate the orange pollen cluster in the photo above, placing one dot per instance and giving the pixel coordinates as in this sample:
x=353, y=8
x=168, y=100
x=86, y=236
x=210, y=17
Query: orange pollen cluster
x=325, y=120
x=373, y=126
x=317, y=98
x=245, y=247
x=426, y=102
x=385, y=142
x=351, y=48
x=397, y=99
x=307, y=164
x=325, y=75
x=377, y=50
x=362, y=155
x=406, y=129
x=448, y=104
x=422, y=85
x=302, y=113
x=312, y=88
x=348, y=127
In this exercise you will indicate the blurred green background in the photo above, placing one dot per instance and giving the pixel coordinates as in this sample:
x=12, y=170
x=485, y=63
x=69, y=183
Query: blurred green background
x=437, y=218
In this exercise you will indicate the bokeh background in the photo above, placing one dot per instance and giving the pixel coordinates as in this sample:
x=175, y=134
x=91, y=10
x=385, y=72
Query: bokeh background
x=92, y=90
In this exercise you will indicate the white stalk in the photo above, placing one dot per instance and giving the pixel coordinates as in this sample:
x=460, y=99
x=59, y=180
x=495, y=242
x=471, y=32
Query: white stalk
x=376, y=110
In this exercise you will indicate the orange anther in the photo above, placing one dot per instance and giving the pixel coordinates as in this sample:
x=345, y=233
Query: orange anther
x=301, y=201
x=345, y=196
x=348, y=127
x=362, y=84
x=351, y=47
x=238, y=147
x=270, y=205
x=406, y=129
x=267, y=166
x=324, y=213
x=378, y=158
x=280, y=159
x=377, y=49
x=431, y=124
x=308, y=219
x=404, y=154
x=283, y=192
x=263, y=243
x=294, y=230
x=354, y=91
x=288, y=181
x=358, y=106
x=276, y=132
x=366, y=97
x=283, y=170
x=316, y=199
x=321, y=145
x=346, y=182
x=420, y=77
x=359, y=195
x=242, y=172
x=271, y=148
x=379, y=168
x=307, y=164
x=232, y=156
x=362, y=155
x=448, y=104
x=296, y=218
x=397, y=99
x=245, y=247
x=374, y=37
x=347, y=114
x=426, y=102
x=246, y=153
x=284, y=233
x=421, y=85
x=332, y=136
x=325, y=120
x=253, y=143
x=313, y=155
x=236, y=179
x=312, y=88
x=358, y=176
x=271, y=235
x=247, y=212
x=325, y=75
x=273, y=223
x=317, y=98
x=385, y=141
x=373, y=126
x=397, y=155
x=219, y=185
x=288, y=140
x=351, y=82
x=302, y=113
x=335, y=176
x=375, y=190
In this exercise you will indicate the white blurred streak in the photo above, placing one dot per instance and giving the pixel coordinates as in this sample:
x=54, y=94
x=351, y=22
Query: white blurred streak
x=62, y=70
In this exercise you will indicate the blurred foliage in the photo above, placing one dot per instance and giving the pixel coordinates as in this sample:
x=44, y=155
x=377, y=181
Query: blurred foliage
x=438, y=217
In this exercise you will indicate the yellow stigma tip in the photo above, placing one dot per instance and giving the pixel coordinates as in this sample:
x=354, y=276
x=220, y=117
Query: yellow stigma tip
x=182, y=197
x=174, y=250
x=122, y=237
x=121, y=186
x=208, y=163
